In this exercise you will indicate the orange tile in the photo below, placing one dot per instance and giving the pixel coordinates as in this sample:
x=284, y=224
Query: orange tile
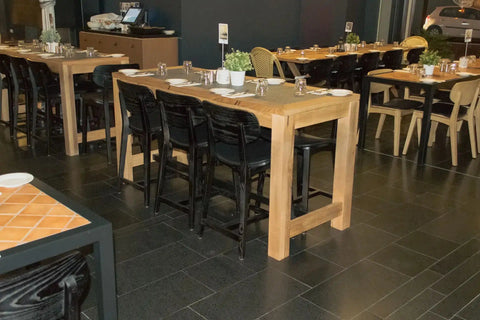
x=24, y=221
x=60, y=210
x=40, y=233
x=20, y=198
x=54, y=222
x=11, y=208
x=4, y=218
x=44, y=199
x=7, y=244
x=77, y=222
x=37, y=209
x=13, y=234
x=7, y=190
x=28, y=188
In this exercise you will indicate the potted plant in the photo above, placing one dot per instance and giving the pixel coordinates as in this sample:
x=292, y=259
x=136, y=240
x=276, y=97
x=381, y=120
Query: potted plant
x=352, y=42
x=237, y=62
x=51, y=38
x=429, y=58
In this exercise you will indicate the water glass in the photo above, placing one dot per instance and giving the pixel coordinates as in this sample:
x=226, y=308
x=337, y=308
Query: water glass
x=207, y=76
x=162, y=69
x=187, y=66
x=279, y=50
x=316, y=47
x=262, y=87
x=395, y=43
x=331, y=50
x=452, y=68
x=300, y=86
x=288, y=49
x=363, y=44
x=35, y=43
x=90, y=52
x=420, y=72
x=463, y=62
x=20, y=43
x=413, y=68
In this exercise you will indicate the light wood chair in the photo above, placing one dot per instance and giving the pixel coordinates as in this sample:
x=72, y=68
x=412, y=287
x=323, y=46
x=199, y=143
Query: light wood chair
x=396, y=107
x=263, y=61
x=414, y=41
x=464, y=96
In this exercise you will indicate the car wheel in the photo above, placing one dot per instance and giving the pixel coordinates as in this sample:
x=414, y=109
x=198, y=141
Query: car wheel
x=434, y=30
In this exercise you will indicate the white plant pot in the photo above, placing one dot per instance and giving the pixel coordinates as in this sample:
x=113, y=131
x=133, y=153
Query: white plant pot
x=429, y=69
x=52, y=47
x=237, y=78
x=223, y=76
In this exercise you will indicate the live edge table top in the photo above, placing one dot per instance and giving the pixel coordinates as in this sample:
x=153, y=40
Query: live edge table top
x=28, y=214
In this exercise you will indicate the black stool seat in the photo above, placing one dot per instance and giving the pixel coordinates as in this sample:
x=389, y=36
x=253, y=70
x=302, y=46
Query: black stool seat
x=445, y=108
x=404, y=104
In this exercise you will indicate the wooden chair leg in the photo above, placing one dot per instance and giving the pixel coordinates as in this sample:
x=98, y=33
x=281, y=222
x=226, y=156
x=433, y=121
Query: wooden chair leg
x=477, y=127
x=381, y=121
x=432, y=134
x=397, y=119
x=453, y=146
x=106, y=110
x=419, y=128
x=471, y=134
x=413, y=123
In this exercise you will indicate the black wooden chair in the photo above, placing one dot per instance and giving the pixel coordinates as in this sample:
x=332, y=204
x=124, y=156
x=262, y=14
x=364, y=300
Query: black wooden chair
x=413, y=55
x=48, y=291
x=392, y=59
x=102, y=77
x=7, y=83
x=235, y=141
x=366, y=63
x=320, y=72
x=143, y=122
x=343, y=71
x=21, y=86
x=184, y=127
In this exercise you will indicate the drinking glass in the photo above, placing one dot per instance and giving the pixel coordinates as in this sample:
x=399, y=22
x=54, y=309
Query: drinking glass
x=363, y=44
x=279, y=50
x=20, y=43
x=262, y=87
x=331, y=50
x=162, y=69
x=452, y=68
x=316, y=47
x=288, y=49
x=300, y=87
x=187, y=66
x=395, y=43
x=90, y=51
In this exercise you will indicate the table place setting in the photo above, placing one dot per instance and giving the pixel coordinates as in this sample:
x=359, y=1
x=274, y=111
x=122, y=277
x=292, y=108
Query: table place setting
x=331, y=92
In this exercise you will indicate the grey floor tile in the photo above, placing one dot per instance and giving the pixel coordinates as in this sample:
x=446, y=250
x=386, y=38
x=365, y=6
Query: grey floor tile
x=457, y=257
x=307, y=268
x=353, y=244
x=151, y=266
x=403, y=294
x=417, y=306
x=256, y=256
x=185, y=314
x=472, y=310
x=459, y=298
x=250, y=298
x=131, y=243
x=211, y=244
x=367, y=316
x=372, y=204
x=299, y=309
x=459, y=275
x=431, y=316
x=428, y=245
x=161, y=298
x=402, y=260
x=218, y=272
x=355, y=289
x=454, y=226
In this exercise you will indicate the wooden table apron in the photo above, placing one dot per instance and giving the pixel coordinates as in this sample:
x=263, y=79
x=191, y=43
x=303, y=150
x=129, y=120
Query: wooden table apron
x=97, y=233
x=66, y=68
x=406, y=81
x=283, y=119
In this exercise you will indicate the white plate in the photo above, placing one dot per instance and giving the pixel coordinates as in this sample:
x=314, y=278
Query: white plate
x=374, y=50
x=428, y=80
x=275, y=81
x=222, y=91
x=340, y=92
x=14, y=180
x=302, y=59
x=24, y=50
x=330, y=55
x=43, y=55
x=465, y=74
x=169, y=32
x=128, y=72
x=4, y=47
x=116, y=55
x=176, y=81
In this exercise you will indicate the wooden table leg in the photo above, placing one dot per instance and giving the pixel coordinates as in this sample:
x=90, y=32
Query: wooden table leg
x=69, y=111
x=283, y=134
x=345, y=166
x=293, y=67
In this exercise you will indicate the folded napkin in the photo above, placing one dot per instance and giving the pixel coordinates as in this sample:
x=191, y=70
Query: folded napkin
x=319, y=92
x=401, y=70
x=54, y=57
x=187, y=84
x=141, y=74
x=239, y=95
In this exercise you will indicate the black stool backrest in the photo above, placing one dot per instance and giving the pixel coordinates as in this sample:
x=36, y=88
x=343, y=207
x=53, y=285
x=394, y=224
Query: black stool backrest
x=138, y=100
x=42, y=76
x=102, y=75
x=20, y=74
x=319, y=70
x=392, y=59
x=369, y=61
x=5, y=68
x=413, y=56
x=43, y=293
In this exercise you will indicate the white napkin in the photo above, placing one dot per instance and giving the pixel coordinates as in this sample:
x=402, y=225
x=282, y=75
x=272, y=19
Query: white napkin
x=239, y=95
x=187, y=84
x=401, y=70
x=141, y=74
x=54, y=57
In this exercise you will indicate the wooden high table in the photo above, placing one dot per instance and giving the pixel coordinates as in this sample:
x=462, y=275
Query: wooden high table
x=283, y=113
x=67, y=68
x=37, y=223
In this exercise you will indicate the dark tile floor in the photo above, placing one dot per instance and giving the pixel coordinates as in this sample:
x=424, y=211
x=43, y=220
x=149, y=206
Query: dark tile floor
x=412, y=252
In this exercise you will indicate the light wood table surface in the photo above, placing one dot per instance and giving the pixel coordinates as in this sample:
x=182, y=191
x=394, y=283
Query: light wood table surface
x=283, y=116
x=66, y=69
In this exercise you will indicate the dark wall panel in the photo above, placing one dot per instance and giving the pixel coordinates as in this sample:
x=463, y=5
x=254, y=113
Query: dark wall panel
x=265, y=23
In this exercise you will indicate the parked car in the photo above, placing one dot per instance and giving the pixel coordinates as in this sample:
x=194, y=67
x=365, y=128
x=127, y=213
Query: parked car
x=452, y=21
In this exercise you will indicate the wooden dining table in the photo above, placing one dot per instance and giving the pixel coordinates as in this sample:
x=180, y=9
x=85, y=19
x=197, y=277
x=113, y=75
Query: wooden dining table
x=295, y=58
x=283, y=112
x=37, y=222
x=429, y=85
x=66, y=69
